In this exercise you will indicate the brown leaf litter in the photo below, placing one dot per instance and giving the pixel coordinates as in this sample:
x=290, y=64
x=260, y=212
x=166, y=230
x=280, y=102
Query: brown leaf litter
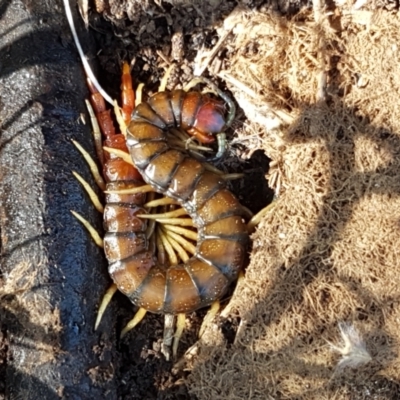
x=327, y=254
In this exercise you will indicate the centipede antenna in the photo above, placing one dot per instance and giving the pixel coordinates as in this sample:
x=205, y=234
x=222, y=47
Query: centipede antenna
x=221, y=140
x=85, y=63
x=104, y=303
x=221, y=137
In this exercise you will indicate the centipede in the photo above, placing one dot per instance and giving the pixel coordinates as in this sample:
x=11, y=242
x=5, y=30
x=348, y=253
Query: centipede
x=143, y=159
x=217, y=214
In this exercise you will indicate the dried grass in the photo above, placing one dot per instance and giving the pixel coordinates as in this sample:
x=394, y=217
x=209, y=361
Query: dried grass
x=329, y=251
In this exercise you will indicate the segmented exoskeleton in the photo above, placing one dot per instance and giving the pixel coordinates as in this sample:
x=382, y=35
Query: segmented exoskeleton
x=129, y=243
x=217, y=214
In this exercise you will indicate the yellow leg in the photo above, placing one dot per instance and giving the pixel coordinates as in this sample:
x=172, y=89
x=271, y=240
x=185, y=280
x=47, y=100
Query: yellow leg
x=173, y=259
x=161, y=253
x=180, y=251
x=211, y=313
x=136, y=190
x=186, y=245
x=164, y=201
x=134, y=321
x=171, y=214
x=92, y=165
x=93, y=233
x=180, y=326
x=98, y=140
x=258, y=217
x=92, y=195
x=120, y=119
x=139, y=93
x=119, y=153
x=176, y=221
x=182, y=231
x=227, y=309
x=104, y=303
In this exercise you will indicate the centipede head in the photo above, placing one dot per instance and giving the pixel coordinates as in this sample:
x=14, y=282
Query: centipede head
x=209, y=120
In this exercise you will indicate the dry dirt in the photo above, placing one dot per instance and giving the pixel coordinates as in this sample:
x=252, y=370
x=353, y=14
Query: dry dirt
x=317, y=314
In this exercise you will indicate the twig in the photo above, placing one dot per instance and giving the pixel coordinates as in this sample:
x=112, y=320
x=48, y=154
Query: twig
x=85, y=63
x=199, y=69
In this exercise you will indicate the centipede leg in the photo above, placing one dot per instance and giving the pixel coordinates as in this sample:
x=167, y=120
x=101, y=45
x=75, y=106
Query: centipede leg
x=239, y=281
x=180, y=326
x=92, y=231
x=92, y=195
x=113, y=288
x=211, y=313
x=104, y=303
x=134, y=321
x=256, y=219
x=92, y=165
x=96, y=136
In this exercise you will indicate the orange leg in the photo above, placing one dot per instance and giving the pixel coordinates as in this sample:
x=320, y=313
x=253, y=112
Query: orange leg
x=128, y=103
x=127, y=93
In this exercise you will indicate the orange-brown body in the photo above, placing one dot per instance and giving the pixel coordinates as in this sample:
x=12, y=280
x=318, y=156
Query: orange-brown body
x=217, y=214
